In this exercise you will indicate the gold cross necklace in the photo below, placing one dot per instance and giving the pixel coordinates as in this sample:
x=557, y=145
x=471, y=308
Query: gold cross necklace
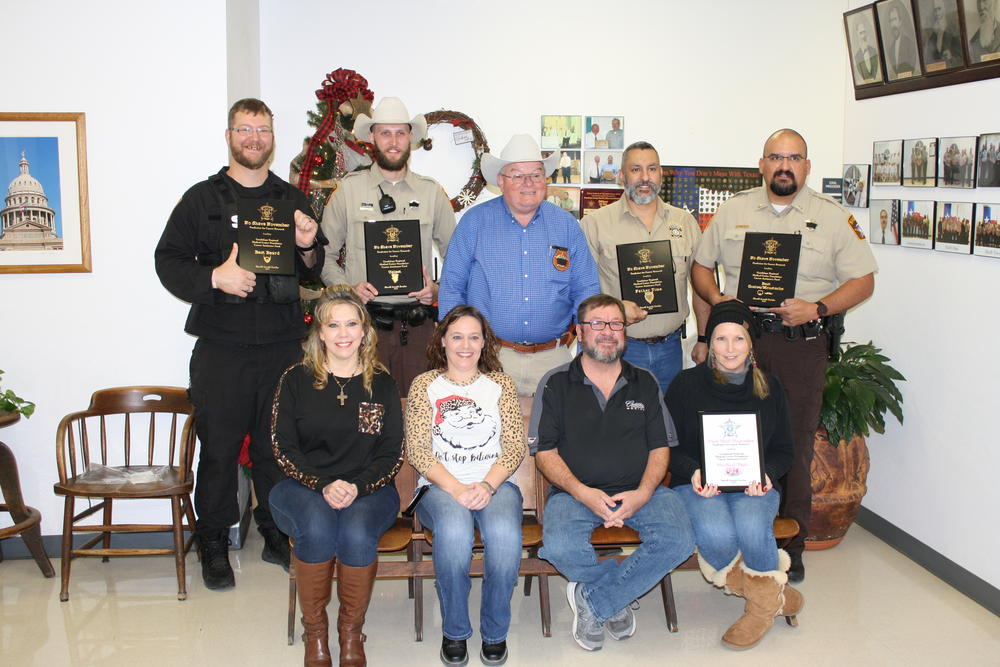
x=341, y=396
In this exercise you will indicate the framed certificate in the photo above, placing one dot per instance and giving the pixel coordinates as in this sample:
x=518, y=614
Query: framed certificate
x=266, y=236
x=392, y=256
x=646, y=273
x=769, y=268
x=732, y=454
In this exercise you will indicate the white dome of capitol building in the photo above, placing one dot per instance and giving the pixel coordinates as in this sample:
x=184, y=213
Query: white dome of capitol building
x=26, y=221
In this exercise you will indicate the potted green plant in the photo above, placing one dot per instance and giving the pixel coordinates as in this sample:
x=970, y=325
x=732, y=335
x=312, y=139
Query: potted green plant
x=860, y=388
x=12, y=404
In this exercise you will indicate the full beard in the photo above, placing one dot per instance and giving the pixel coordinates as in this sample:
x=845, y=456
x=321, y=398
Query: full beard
x=597, y=354
x=632, y=191
x=243, y=160
x=472, y=436
x=387, y=163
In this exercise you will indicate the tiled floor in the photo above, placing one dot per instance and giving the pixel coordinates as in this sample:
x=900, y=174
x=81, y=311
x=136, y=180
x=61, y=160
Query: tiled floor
x=865, y=605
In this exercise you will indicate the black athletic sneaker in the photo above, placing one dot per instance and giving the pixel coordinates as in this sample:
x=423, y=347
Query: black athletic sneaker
x=275, y=547
x=454, y=652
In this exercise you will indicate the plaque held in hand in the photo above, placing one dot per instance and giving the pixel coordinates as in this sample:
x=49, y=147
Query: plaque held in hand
x=732, y=454
x=769, y=268
x=393, y=257
x=266, y=236
x=646, y=274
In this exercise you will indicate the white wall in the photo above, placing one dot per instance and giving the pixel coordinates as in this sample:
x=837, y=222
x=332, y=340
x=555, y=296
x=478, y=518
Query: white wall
x=153, y=85
x=704, y=82
x=935, y=315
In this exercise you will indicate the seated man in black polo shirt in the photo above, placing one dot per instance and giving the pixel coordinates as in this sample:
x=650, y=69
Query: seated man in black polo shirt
x=601, y=435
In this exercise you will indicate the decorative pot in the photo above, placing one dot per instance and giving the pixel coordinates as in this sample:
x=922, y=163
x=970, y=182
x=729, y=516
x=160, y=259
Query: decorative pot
x=839, y=476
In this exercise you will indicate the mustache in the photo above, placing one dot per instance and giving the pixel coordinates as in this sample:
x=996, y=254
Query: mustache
x=784, y=172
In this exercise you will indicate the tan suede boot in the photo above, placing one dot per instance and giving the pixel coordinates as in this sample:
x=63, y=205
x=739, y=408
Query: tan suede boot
x=765, y=599
x=354, y=589
x=793, y=599
x=315, y=583
x=729, y=578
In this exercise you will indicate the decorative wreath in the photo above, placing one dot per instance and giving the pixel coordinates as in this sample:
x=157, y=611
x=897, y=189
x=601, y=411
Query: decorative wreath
x=476, y=183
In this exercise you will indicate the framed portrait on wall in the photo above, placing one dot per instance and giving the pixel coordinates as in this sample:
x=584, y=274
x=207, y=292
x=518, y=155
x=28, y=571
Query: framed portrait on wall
x=953, y=227
x=940, y=31
x=855, y=185
x=917, y=223
x=989, y=160
x=862, y=46
x=887, y=162
x=898, y=36
x=884, y=221
x=920, y=162
x=45, y=218
x=987, y=230
x=982, y=29
x=957, y=157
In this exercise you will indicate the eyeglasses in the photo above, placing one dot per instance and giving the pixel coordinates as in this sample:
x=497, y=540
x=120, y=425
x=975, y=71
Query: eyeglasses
x=598, y=325
x=246, y=131
x=778, y=158
x=518, y=178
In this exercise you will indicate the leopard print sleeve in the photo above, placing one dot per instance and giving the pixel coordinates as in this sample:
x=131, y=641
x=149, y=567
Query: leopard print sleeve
x=284, y=437
x=513, y=446
x=419, y=449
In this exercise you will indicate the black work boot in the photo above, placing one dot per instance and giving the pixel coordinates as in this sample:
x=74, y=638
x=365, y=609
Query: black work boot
x=276, y=548
x=213, y=549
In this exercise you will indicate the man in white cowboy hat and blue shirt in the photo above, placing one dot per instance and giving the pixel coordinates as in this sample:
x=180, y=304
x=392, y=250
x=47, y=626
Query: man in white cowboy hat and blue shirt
x=523, y=262
x=389, y=190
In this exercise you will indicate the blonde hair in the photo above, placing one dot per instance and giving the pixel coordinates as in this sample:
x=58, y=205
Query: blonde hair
x=761, y=389
x=315, y=351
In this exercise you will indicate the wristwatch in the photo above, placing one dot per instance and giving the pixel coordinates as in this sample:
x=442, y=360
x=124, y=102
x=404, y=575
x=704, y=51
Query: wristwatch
x=821, y=309
x=702, y=338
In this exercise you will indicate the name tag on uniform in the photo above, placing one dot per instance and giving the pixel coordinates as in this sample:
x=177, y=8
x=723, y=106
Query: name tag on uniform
x=366, y=206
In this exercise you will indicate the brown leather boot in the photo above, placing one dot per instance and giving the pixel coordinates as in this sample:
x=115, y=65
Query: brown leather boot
x=765, y=599
x=793, y=599
x=354, y=590
x=315, y=583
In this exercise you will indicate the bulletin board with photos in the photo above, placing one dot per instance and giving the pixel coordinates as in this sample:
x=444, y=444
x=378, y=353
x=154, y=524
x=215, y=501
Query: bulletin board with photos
x=898, y=46
x=591, y=147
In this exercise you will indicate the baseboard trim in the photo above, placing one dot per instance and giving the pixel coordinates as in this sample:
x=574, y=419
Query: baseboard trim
x=940, y=566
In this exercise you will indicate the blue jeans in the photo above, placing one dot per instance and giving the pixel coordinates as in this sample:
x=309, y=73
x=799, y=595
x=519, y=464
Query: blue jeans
x=663, y=359
x=732, y=523
x=321, y=532
x=608, y=586
x=499, y=525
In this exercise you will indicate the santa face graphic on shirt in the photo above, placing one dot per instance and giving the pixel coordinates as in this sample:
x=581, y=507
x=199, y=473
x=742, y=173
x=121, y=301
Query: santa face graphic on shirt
x=461, y=424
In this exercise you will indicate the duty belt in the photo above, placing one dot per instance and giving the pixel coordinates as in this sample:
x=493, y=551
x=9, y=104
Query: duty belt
x=771, y=323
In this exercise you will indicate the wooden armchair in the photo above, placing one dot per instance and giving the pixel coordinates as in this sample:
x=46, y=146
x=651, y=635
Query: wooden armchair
x=96, y=445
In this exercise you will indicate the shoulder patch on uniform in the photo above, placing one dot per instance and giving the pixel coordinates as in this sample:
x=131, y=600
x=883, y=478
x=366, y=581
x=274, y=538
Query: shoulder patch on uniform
x=856, y=227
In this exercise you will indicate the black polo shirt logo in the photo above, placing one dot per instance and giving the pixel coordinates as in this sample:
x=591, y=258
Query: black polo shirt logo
x=635, y=405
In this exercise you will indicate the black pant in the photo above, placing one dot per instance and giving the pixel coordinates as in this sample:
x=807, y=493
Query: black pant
x=232, y=388
x=801, y=366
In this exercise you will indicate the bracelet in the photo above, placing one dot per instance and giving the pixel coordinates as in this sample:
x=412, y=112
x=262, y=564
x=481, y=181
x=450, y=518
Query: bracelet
x=702, y=339
x=489, y=486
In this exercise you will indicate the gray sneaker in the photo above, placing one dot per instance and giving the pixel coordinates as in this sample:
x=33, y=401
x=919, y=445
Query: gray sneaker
x=587, y=631
x=621, y=625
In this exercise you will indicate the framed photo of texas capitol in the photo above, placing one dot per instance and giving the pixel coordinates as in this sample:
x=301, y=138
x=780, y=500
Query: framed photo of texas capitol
x=44, y=219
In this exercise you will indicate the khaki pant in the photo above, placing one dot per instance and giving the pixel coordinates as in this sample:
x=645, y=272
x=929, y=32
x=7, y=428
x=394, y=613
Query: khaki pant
x=528, y=369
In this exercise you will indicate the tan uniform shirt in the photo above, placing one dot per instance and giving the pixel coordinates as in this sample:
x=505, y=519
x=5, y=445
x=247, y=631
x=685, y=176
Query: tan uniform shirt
x=610, y=225
x=834, y=249
x=356, y=200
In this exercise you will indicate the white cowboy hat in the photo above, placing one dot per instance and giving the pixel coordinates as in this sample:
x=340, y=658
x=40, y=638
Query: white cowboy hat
x=390, y=110
x=520, y=148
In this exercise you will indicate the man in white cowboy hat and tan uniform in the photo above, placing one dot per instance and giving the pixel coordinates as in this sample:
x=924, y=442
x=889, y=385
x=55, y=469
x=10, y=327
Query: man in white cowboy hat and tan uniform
x=389, y=190
x=523, y=262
